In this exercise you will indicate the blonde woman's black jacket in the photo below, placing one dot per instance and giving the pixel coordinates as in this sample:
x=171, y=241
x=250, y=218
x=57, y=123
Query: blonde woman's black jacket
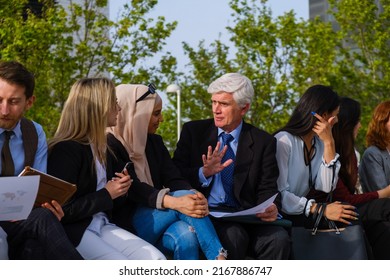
x=73, y=162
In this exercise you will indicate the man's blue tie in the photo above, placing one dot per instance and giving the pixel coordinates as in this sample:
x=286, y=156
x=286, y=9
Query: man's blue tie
x=227, y=173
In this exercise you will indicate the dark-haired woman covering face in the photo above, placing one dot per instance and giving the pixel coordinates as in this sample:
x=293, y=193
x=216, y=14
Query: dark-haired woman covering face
x=307, y=158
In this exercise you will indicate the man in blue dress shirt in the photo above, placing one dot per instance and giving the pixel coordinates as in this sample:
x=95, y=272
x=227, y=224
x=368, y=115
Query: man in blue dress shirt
x=233, y=163
x=41, y=235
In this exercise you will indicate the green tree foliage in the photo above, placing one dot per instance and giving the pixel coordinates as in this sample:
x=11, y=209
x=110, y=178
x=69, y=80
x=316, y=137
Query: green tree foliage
x=284, y=55
x=28, y=36
x=364, y=61
x=62, y=44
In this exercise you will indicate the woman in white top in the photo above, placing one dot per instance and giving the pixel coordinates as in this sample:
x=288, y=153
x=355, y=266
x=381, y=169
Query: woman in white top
x=307, y=158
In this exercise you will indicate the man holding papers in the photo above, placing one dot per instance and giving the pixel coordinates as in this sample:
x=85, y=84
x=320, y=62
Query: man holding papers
x=23, y=142
x=233, y=163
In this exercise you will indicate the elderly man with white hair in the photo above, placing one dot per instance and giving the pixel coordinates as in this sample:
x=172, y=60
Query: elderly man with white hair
x=233, y=163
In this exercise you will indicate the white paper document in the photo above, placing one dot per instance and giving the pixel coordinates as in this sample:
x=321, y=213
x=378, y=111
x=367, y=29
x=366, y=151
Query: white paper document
x=252, y=211
x=17, y=196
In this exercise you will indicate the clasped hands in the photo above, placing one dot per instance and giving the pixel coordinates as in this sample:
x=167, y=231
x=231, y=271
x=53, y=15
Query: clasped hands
x=193, y=205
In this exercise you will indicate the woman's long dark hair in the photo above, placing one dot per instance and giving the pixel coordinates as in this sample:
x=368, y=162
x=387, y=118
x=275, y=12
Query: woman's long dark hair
x=318, y=98
x=343, y=134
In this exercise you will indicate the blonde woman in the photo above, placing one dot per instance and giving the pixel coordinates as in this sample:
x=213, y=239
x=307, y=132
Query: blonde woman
x=168, y=213
x=78, y=154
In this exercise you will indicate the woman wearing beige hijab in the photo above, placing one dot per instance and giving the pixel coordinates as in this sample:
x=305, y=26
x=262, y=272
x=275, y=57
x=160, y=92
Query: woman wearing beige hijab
x=168, y=213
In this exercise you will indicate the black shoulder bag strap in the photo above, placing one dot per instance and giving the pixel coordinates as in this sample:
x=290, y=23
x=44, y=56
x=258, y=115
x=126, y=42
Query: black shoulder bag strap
x=318, y=214
x=30, y=141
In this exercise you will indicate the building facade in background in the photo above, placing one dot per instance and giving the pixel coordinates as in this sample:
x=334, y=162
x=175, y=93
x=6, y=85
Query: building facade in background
x=320, y=8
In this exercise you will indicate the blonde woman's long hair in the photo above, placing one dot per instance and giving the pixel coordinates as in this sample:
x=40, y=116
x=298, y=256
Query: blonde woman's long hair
x=84, y=117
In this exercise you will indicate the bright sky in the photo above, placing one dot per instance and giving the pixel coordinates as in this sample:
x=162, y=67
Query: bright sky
x=204, y=19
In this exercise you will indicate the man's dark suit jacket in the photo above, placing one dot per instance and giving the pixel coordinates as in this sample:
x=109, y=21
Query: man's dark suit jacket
x=255, y=170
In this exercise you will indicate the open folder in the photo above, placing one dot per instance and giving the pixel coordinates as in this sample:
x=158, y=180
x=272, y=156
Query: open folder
x=50, y=187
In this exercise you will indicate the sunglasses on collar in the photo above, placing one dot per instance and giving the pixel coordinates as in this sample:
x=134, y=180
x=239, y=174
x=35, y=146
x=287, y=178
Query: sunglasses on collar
x=151, y=90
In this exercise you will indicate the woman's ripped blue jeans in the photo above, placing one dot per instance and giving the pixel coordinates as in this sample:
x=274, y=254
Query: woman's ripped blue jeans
x=177, y=233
